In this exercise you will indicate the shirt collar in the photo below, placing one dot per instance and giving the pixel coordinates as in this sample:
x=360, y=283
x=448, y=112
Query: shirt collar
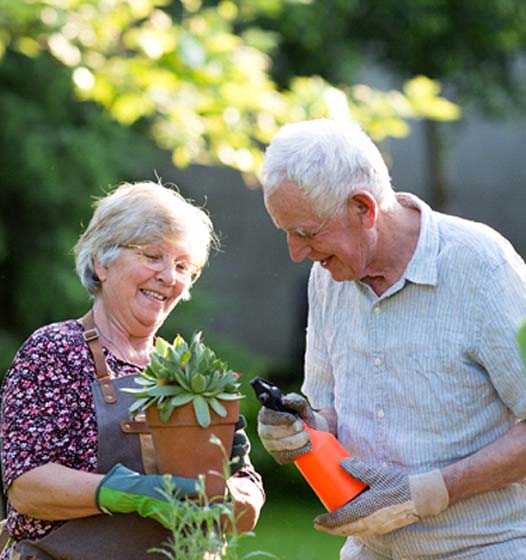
x=423, y=266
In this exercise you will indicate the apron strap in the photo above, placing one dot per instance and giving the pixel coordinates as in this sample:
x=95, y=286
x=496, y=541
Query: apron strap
x=91, y=336
x=138, y=427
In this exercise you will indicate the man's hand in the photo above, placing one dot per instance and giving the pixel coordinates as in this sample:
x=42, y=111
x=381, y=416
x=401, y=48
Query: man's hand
x=393, y=500
x=283, y=434
x=125, y=491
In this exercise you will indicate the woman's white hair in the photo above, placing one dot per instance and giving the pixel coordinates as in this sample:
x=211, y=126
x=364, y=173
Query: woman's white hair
x=328, y=161
x=139, y=214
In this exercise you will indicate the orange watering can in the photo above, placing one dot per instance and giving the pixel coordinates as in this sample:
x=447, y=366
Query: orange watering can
x=321, y=465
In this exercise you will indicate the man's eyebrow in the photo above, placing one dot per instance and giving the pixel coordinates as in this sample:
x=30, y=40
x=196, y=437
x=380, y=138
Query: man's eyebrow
x=298, y=231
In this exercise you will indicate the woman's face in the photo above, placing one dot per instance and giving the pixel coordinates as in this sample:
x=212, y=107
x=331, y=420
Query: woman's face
x=143, y=284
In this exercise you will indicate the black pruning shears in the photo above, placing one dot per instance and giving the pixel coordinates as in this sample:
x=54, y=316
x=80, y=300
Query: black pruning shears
x=268, y=395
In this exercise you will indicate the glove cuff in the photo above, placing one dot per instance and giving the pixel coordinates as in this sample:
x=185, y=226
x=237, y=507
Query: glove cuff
x=287, y=456
x=98, y=499
x=429, y=493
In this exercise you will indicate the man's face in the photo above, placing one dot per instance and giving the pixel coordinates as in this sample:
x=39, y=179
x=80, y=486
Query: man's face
x=344, y=244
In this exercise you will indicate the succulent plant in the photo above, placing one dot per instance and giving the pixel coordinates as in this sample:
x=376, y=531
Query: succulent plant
x=180, y=373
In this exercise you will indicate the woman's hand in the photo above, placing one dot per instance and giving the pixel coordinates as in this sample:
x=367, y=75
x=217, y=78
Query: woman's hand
x=248, y=501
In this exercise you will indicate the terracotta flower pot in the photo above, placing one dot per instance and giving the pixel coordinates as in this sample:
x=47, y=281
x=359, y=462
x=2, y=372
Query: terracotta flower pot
x=183, y=447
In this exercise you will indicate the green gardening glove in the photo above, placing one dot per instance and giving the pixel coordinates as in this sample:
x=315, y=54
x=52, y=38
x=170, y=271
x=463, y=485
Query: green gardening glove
x=125, y=491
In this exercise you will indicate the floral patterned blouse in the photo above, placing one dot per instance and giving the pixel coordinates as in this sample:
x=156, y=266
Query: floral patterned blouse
x=48, y=414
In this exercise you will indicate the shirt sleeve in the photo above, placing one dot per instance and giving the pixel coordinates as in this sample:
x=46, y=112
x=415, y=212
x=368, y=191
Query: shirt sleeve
x=318, y=384
x=502, y=308
x=40, y=405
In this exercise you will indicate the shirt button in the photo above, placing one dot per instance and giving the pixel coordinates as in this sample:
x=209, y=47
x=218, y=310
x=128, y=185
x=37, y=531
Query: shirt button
x=377, y=310
x=381, y=414
x=378, y=361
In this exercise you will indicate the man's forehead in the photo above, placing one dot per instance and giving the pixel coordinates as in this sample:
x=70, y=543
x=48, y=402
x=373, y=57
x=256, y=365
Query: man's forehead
x=290, y=211
x=287, y=197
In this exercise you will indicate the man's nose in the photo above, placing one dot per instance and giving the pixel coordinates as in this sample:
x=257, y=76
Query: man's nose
x=299, y=249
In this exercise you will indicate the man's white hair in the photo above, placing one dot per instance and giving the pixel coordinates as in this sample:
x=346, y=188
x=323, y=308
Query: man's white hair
x=328, y=161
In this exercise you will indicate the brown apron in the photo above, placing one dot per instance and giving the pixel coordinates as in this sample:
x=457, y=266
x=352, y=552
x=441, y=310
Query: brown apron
x=104, y=537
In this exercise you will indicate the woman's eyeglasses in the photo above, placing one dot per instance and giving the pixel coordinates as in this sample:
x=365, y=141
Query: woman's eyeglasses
x=154, y=258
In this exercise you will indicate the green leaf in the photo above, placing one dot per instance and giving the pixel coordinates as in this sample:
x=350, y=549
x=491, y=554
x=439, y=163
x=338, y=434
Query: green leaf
x=182, y=381
x=161, y=346
x=202, y=412
x=229, y=396
x=137, y=405
x=164, y=390
x=138, y=393
x=184, y=358
x=165, y=411
x=198, y=383
x=159, y=365
x=217, y=407
x=148, y=373
x=144, y=380
x=180, y=400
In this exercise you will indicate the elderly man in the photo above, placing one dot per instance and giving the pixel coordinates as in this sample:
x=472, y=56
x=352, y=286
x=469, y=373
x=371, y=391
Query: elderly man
x=411, y=355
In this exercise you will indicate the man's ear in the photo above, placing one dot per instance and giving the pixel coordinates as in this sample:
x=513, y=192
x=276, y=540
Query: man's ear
x=101, y=271
x=363, y=206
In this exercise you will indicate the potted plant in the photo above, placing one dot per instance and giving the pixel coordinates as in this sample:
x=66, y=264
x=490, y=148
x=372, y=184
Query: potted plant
x=188, y=395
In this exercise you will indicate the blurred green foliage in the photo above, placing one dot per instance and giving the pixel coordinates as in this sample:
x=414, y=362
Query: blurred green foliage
x=205, y=90
x=55, y=155
x=521, y=338
x=477, y=48
x=285, y=528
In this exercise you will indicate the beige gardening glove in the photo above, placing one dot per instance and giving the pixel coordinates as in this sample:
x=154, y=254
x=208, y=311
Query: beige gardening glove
x=283, y=434
x=393, y=500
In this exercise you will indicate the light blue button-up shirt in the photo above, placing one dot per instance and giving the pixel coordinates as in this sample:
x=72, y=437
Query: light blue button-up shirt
x=425, y=375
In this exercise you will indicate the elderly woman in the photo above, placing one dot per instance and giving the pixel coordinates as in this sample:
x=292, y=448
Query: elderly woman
x=61, y=405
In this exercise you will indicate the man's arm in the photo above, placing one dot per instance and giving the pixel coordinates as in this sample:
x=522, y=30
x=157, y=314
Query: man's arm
x=496, y=465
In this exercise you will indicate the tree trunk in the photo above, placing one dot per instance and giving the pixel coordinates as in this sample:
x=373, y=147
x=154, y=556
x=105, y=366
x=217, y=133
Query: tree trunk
x=436, y=151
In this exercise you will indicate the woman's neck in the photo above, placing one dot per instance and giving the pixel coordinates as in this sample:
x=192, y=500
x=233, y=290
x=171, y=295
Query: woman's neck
x=122, y=343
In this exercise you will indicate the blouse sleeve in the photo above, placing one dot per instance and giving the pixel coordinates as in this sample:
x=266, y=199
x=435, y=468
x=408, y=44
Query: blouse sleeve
x=42, y=406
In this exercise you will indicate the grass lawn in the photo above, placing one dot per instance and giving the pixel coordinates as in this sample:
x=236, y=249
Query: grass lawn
x=285, y=529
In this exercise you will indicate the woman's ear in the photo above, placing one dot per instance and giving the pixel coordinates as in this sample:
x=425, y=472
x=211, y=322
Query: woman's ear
x=100, y=271
x=363, y=206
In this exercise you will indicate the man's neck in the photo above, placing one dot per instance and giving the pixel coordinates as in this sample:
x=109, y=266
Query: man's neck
x=398, y=233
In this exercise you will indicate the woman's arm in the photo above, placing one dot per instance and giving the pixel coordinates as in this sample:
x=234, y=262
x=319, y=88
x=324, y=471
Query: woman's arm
x=55, y=492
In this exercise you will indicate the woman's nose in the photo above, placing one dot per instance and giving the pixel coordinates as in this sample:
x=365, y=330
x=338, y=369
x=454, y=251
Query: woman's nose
x=169, y=275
